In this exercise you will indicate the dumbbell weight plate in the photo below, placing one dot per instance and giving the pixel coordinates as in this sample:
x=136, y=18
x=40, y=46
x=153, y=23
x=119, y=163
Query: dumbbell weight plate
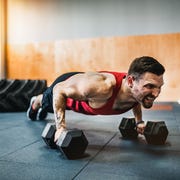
x=127, y=128
x=72, y=143
x=156, y=132
x=48, y=135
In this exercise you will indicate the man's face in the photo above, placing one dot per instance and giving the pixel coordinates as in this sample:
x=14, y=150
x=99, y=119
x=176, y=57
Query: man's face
x=147, y=88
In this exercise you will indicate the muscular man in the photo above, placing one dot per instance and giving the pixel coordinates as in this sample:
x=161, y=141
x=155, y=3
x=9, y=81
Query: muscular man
x=101, y=93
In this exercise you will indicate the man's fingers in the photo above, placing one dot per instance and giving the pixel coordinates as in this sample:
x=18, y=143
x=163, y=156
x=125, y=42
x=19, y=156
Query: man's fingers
x=58, y=133
x=140, y=130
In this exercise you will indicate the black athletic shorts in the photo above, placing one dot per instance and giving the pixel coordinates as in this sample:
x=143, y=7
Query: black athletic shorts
x=47, y=101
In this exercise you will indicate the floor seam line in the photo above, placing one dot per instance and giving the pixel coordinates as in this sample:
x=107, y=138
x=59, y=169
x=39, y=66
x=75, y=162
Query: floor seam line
x=18, y=149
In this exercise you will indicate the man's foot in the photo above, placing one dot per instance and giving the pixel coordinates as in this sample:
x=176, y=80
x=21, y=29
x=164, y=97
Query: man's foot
x=42, y=114
x=32, y=113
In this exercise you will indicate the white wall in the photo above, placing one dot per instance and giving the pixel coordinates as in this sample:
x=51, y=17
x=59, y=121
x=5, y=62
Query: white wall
x=50, y=20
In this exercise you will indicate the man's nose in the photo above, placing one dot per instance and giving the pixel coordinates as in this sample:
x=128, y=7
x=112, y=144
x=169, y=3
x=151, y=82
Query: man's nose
x=156, y=92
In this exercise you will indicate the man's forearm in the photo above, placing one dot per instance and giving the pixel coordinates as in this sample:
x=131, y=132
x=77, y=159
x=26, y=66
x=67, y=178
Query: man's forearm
x=60, y=119
x=137, y=113
x=59, y=106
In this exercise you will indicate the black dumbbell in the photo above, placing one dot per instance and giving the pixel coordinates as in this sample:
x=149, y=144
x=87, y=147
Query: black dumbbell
x=155, y=132
x=72, y=143
x=127, y=128
x=48, y=135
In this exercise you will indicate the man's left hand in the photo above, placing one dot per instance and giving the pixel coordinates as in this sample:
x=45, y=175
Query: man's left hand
x=140, y=128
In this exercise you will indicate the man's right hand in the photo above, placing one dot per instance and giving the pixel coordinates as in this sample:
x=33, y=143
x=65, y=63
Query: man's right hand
x=58, y=133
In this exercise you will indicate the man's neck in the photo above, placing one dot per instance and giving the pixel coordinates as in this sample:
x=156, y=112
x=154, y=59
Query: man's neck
x=125, y=94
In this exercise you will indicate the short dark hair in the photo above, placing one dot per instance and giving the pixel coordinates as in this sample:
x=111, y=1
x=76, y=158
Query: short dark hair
x=145, y=64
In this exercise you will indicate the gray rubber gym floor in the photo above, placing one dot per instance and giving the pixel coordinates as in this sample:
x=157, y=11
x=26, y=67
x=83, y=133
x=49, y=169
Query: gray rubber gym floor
x=24, y=155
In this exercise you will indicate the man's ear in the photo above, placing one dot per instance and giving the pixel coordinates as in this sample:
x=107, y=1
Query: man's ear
x=130, y=80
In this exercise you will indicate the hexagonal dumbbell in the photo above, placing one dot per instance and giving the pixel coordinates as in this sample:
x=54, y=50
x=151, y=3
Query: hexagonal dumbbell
x=72, y=143
x=127, y=128
x=48, y=135
x=156, y=132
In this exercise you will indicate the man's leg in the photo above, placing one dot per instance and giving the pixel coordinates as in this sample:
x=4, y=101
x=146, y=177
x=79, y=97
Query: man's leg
x=38, y=102
x=42, y=104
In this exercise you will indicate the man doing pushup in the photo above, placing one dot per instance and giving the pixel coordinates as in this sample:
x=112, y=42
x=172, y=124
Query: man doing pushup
x=101, y=93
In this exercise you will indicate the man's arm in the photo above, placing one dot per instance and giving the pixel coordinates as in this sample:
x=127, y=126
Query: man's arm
x=138, y=117
x=137, y=113
x=61, y=92
x=59, y=106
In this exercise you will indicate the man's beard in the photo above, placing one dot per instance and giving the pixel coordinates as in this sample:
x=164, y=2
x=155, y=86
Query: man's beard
x=147, y=101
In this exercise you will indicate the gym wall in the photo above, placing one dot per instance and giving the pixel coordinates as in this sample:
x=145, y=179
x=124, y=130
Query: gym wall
x=48, y=60
x=47, y=38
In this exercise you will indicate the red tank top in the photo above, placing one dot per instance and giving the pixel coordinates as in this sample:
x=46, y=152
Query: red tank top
x=106, y=109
